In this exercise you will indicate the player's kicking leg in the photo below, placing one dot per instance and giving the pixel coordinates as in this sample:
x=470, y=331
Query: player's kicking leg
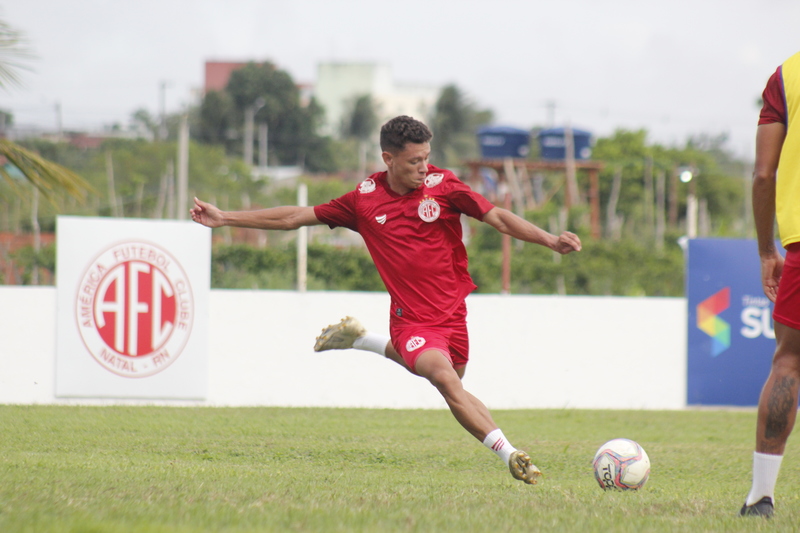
x=349, y=333
x=340, y=336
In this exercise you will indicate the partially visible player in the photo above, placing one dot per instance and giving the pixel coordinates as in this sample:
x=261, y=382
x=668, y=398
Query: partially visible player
x=409, y=217
x=778, y=155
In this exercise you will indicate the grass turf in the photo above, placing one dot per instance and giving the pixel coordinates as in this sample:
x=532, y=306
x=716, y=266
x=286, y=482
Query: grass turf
x=181, y=469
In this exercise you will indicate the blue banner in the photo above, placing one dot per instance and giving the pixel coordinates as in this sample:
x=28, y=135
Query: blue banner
x=731, y=338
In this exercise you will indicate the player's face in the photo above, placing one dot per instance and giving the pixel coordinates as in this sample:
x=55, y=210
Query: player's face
x=407, y=169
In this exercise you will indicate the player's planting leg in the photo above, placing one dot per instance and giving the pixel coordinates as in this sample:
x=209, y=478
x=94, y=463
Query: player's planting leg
x=473, y=415
x=777, y=412
x=521, y=467
x=762, y=507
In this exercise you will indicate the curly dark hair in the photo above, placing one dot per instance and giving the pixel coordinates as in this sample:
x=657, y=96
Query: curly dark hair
x=401, y=130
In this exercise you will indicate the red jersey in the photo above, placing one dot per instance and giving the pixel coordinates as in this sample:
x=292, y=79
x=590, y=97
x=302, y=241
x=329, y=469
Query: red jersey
x=414, y=240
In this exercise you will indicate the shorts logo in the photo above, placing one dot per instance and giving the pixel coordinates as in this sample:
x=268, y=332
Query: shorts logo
x=428, y=209
x=414, y=343
x=432, y=180
x=367, y=186
x=135, y=309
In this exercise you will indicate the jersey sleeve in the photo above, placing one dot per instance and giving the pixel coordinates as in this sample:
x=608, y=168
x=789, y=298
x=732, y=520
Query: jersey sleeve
x=339, y=212
x=468, y=201
x=774, y=108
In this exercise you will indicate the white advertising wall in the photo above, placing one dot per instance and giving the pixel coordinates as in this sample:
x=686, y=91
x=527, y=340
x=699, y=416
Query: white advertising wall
x=132, y=308
x=526, y=352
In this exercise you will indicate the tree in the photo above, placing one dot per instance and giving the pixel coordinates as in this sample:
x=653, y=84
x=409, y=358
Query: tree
x=292, y=124
x=362, y=120
x=454, y=126
x=217, y=113
x=142, y=120
x=46, y=176
x=281, y=109
x=359, y=125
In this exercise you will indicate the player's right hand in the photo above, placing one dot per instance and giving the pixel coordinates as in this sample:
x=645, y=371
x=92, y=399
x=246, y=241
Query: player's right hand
x=567, y=242
x=771, y=270
x=206, y=214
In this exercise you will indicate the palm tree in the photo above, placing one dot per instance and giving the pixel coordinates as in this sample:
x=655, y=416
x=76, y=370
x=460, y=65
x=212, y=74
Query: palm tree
x=45, y=175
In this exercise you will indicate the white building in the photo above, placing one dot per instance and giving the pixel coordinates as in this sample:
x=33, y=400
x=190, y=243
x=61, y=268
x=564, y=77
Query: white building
x=339, y=84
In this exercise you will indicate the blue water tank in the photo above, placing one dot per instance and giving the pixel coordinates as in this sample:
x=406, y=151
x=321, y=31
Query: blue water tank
x=553, y=146
x=499, y=142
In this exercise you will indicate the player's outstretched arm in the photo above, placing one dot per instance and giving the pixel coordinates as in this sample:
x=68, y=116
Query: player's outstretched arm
x=280, y=218
x=507, y=222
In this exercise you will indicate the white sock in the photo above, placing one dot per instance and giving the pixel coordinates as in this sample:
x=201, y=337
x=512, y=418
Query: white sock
x=498, y=443
x=372, y=342
x=765, y=475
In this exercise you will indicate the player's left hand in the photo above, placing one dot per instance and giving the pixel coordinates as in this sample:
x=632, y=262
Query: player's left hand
x=566, y=243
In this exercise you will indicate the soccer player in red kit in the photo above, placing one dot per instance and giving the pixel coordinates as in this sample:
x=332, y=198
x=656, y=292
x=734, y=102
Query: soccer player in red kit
x=409, y=217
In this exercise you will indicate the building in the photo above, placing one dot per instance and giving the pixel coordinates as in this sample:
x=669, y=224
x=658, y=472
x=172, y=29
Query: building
x=217, y=74
x=339, y=84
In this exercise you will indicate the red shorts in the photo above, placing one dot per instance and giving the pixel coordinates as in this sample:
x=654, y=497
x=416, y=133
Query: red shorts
x=787, y=305
x=451, y=339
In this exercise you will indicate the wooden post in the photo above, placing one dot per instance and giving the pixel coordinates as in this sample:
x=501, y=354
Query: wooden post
x=673, y=198
x=112, y=194
x=506, y=274
x=594, y=193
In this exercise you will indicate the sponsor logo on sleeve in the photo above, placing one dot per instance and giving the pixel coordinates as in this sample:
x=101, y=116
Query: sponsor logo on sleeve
x=367, y=186
x=432, y=180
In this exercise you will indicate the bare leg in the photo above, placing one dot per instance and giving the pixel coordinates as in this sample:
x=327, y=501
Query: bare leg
x=777, y=407
x=470, y=412
x=392, y=354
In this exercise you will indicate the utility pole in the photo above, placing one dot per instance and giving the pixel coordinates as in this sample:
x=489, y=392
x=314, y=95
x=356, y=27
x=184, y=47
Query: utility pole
x=37, y=235
x=112, y=192
x=249, y=118
x=572, y=195
x=550, y=105
x=59, y=128
x=302, y=242
x=162, y=126
x=183, y=167
x=262, y=145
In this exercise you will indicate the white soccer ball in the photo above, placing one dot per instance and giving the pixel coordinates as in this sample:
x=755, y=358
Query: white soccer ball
x=621, y=464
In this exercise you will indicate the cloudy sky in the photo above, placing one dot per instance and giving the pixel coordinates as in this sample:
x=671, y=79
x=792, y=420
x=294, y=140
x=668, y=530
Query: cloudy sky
x=675, y=68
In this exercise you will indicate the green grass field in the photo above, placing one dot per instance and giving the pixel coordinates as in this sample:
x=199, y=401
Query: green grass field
x=174, y=469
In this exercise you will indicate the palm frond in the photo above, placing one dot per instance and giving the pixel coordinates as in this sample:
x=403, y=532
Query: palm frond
x=14, y=54
x=43, y=174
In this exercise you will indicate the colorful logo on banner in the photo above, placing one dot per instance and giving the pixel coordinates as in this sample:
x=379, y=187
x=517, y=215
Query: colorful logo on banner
x=711, y=324
x=730, y=334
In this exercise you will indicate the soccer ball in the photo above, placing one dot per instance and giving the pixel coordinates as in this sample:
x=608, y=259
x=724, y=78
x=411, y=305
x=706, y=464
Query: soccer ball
x=621, y=464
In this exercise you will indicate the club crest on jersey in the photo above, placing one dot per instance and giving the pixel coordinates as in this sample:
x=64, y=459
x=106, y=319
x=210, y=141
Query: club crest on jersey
x=414, y=343
x=428, y=209
x=367, y=186
x=432, y=180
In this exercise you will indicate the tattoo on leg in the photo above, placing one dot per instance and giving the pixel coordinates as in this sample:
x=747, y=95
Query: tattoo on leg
x=780, y=403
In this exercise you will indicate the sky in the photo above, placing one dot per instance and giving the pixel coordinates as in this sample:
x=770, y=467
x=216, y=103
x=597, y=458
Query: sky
x=676, y=68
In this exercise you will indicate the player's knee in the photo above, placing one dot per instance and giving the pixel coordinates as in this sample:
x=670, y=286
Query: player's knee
x=786, y=363
x=446, y=381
